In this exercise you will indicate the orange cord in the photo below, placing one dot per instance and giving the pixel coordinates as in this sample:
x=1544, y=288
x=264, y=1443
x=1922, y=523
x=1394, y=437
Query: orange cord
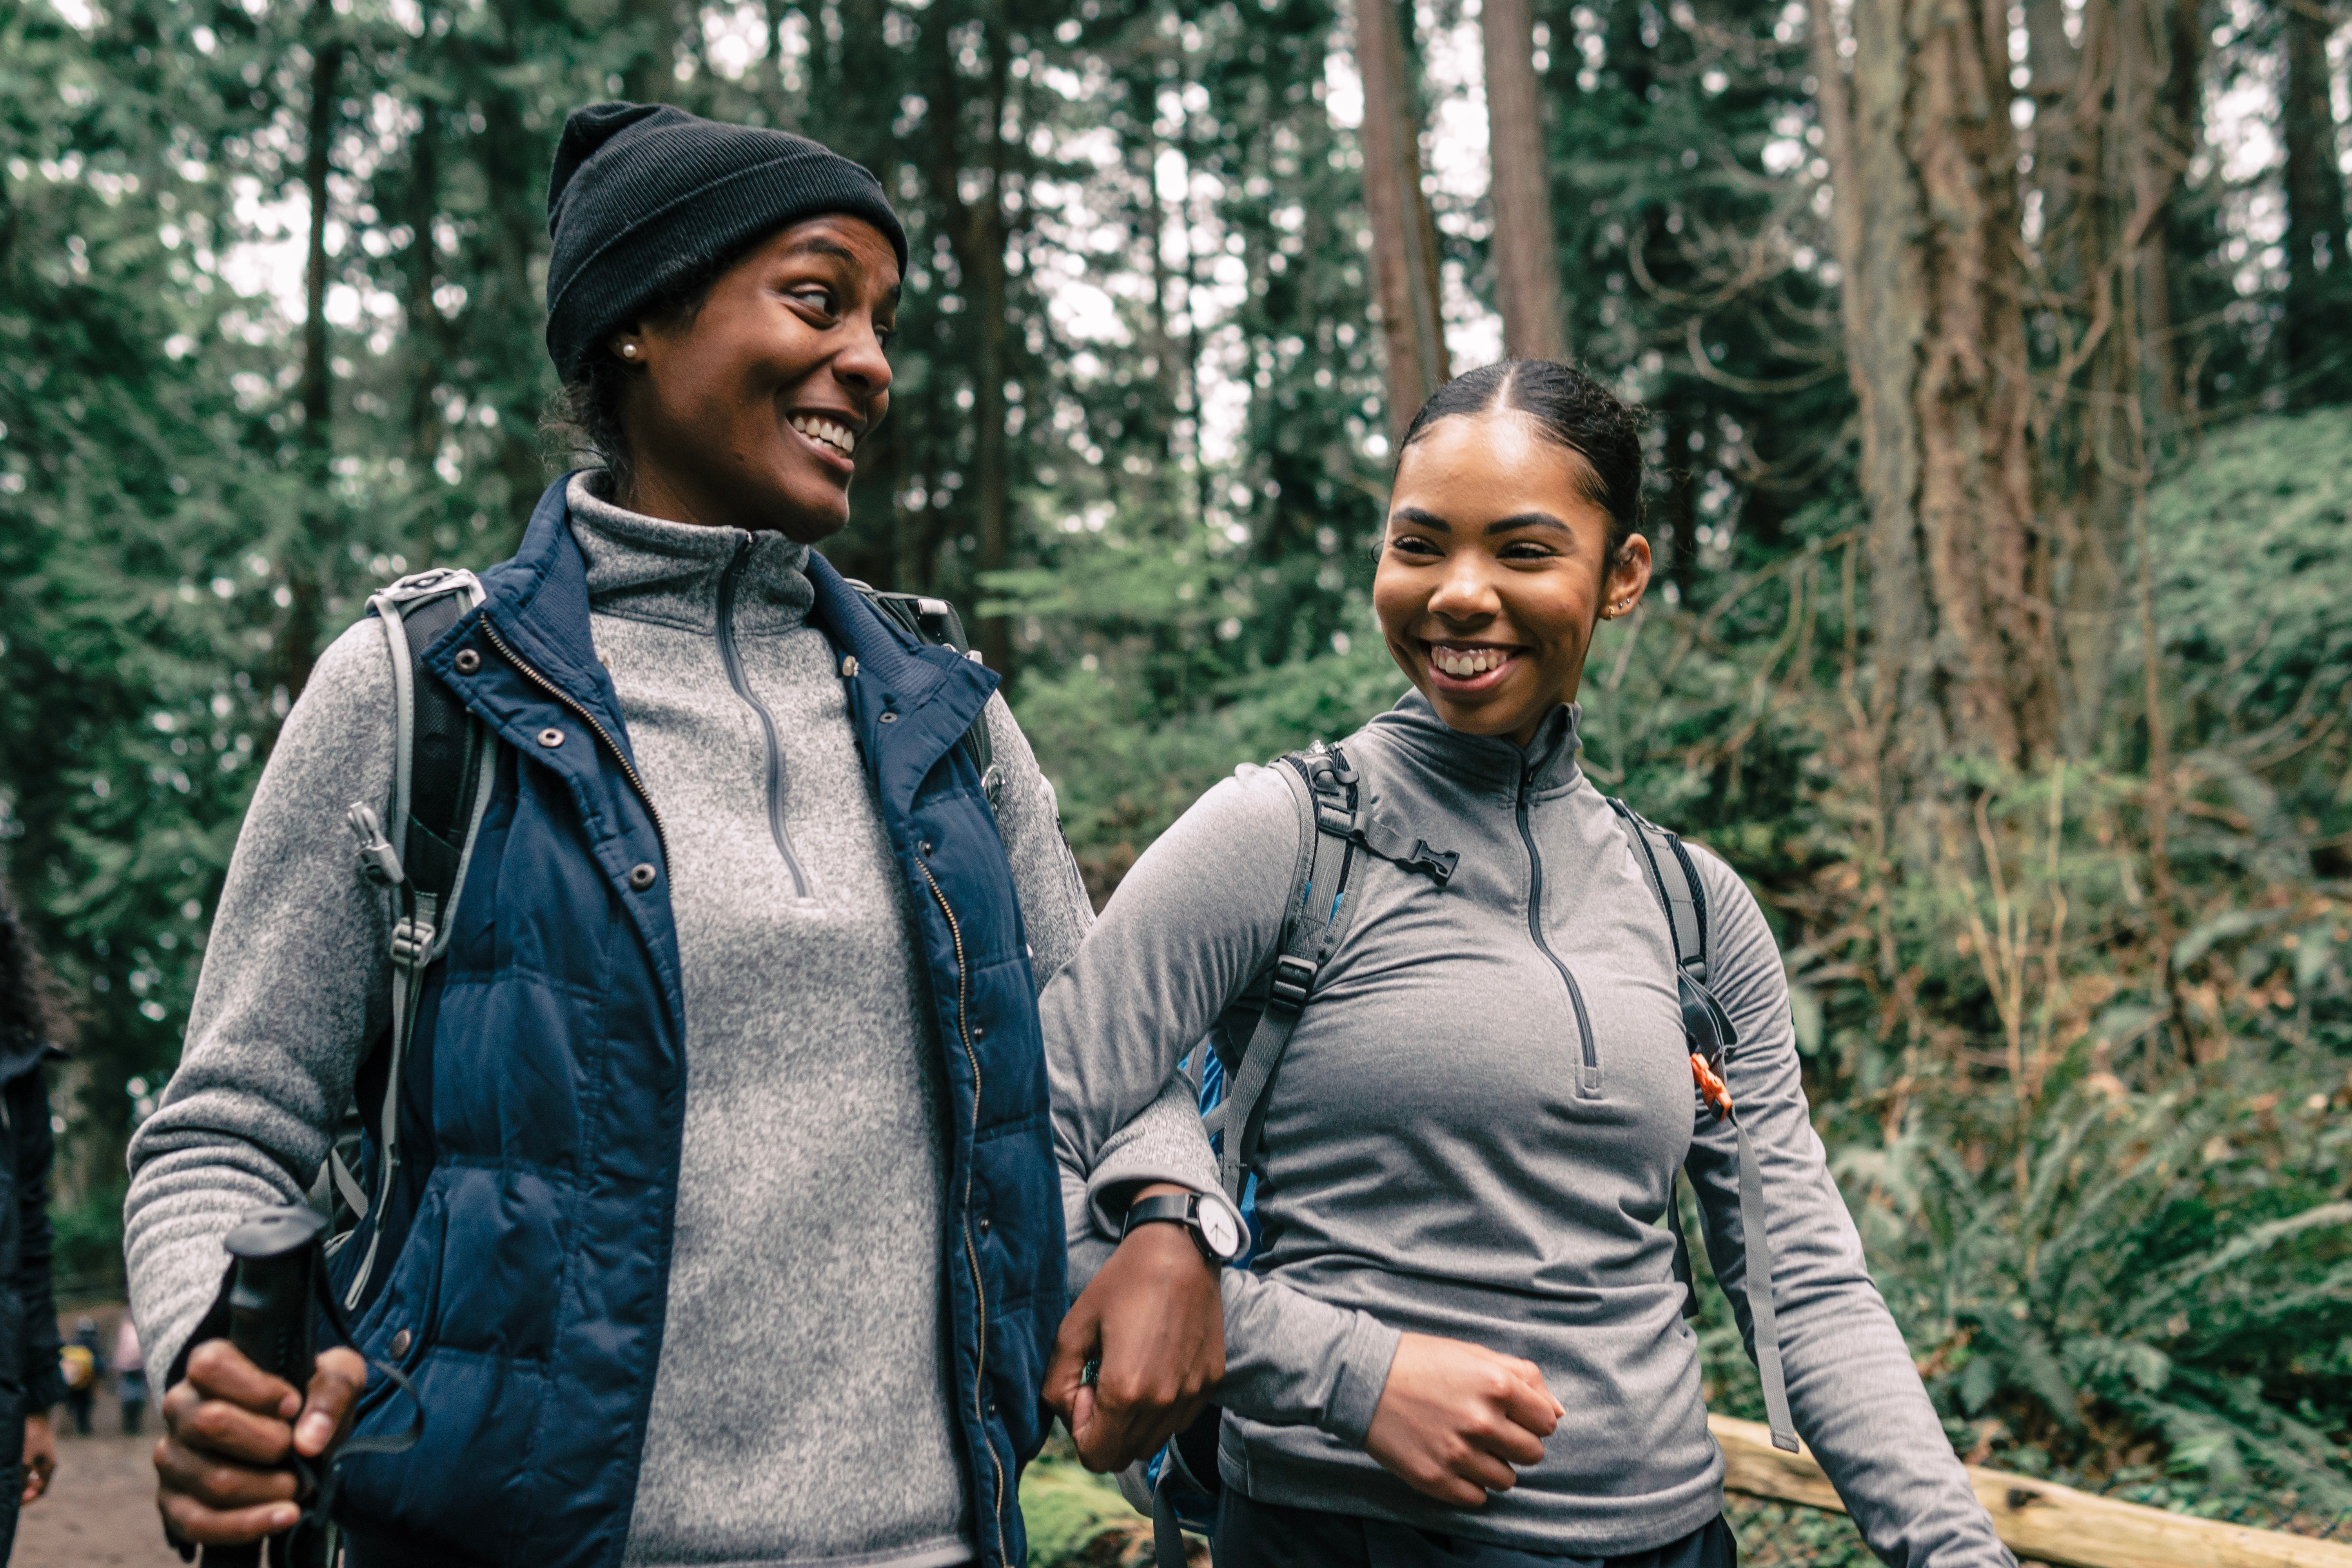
x=1710, y=1088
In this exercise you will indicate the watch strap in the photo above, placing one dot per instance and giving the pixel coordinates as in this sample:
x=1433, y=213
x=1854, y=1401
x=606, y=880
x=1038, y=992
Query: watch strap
x=1170, y=1208
x=1175, y=1208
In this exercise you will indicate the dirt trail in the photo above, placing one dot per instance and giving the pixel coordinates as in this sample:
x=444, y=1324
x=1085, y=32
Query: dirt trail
x=100, y=1510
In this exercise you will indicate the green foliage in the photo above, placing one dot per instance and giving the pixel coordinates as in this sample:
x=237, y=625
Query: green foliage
x=2167, y=1274
x=1077, y=1520
x=2254, y=547
x=87, y=1261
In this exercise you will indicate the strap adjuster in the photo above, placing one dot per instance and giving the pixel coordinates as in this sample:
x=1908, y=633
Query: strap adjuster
x=412, y=942
x=1292, y=978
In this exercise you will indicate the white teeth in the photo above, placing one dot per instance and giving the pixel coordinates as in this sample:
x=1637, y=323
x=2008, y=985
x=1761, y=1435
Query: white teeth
x=839, y=437
x=1461, y=666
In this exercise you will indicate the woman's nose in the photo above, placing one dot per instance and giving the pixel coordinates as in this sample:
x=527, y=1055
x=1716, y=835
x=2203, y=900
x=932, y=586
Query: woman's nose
x=1467, y=591
x=863, y=366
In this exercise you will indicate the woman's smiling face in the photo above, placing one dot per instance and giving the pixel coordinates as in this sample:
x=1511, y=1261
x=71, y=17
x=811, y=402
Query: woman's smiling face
x=752, y=407
x=1495, y=570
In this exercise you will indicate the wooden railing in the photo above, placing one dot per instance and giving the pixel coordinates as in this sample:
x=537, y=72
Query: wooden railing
x=2042, y=1521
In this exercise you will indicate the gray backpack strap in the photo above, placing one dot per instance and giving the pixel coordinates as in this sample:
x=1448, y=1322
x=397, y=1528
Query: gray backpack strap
x=935, y=621
x=1708, y=1033
x=1327, y=790
x=441, y=787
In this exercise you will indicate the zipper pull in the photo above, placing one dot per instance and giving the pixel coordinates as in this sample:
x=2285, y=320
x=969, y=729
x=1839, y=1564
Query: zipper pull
x=379, y=861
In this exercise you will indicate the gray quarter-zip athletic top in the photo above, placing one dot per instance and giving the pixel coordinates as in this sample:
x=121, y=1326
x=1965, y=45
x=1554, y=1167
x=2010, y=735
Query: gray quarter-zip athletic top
x=1474, y=1133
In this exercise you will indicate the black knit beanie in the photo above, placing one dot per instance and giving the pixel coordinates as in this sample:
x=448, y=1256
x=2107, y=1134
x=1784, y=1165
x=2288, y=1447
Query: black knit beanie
x=644, y=195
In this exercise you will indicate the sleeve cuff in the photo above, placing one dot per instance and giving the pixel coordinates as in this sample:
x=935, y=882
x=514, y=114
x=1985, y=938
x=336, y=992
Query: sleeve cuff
x=1364, y=1358
x=43, y=1390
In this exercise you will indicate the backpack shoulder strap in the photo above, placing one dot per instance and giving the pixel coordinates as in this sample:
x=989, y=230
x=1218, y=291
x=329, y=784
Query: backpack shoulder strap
x=441, y=787
x=934, y=622
x=1667, y=867
x=1314, y=925
x=1709, y=1033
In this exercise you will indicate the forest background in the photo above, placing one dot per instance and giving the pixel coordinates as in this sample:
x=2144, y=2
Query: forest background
x=2003, y=487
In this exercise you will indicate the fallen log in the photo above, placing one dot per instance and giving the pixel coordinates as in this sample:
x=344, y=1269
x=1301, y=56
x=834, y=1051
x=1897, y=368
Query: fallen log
x=2042, y=1520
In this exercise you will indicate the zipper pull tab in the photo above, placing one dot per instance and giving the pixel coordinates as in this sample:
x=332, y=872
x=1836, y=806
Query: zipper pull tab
x=379, y=861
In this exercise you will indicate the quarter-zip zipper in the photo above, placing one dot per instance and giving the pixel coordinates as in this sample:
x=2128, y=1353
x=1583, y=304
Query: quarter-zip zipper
x=490, y=630
x=732, y=659
x=971, y=1250
x=1587, y=1077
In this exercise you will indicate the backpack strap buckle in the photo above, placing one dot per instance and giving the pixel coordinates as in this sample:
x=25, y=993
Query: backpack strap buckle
x=1294, y=977
x=412, y=942
x=1437, y=863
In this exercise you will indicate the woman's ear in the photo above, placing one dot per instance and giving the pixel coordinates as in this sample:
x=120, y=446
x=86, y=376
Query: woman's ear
x=1628, y=578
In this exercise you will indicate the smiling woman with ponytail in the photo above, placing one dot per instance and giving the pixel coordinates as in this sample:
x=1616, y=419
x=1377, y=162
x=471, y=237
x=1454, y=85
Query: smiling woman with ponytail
x=724, y=1228
x=1460, y=1340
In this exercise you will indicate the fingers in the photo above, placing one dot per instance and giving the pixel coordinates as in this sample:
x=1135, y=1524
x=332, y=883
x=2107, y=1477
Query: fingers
x=223, y=1430
x=218, y=1370
x=1132, y=1416
x=1079, y=1339
x=336, y=1379
x=185, y=1518
x=215, y=1483
x=1533, y=1411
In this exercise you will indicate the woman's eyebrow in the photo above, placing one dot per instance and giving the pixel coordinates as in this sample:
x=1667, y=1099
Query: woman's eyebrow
x=1528, y=520
x=1419, y=518
x=819, y=245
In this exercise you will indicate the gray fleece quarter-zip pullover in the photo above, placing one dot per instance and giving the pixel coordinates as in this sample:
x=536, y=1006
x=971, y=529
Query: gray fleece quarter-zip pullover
x=1474, y=1135
x=800, y=1411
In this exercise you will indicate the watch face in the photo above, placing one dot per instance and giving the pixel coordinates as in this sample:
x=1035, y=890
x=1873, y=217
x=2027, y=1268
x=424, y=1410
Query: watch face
x=1218, y=1229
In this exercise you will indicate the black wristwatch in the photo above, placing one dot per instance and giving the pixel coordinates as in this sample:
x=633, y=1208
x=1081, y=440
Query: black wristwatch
x=1213, y=1229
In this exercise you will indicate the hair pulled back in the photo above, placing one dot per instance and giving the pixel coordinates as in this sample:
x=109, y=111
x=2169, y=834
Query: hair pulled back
x=583, y=424
x=1573, y=411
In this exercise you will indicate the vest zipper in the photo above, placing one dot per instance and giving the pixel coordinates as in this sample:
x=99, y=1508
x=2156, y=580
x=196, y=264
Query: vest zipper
x=733, y=657
x=971, y=1251
x=1587, y=1077
x=490, y=630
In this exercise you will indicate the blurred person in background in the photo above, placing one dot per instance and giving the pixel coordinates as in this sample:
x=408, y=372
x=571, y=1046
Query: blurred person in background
x=130, y=1377
x=31, y=1383
x=84, y=1369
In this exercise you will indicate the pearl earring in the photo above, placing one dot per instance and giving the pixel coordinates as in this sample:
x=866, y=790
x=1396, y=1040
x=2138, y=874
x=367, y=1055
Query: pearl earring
x=628, y=350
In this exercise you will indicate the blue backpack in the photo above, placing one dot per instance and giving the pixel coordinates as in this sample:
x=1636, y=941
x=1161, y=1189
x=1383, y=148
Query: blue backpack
x=1234, y=1067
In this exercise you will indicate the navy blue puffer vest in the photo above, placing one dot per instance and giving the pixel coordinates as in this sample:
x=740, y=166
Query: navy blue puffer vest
x=541, y=1107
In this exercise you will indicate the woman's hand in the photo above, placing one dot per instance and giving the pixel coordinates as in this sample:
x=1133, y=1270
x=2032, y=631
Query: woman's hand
x=1454, y=1419
x=229, y=1427
x=1155, y=1318
x=40, y=1456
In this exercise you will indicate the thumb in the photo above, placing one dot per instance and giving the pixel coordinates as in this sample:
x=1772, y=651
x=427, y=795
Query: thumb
x=1062, y=1387
x=1082, y=1416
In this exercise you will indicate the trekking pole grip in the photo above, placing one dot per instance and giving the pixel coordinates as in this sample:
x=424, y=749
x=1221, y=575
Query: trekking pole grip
x=269, y=1316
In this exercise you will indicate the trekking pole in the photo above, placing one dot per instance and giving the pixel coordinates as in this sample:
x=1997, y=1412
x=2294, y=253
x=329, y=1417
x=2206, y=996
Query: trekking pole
x=270, y=1320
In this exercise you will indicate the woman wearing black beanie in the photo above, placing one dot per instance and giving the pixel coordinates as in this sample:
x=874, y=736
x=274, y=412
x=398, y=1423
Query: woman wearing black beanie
x=711, y=1210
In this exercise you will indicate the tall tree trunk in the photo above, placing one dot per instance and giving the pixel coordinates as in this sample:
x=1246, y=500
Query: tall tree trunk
x=978, y=231
x=771, y=65
x=2318, y=273
x=1404, y=239
x=2126, y=125
x=298, y=635
x=422, y=343
x=651, y=74
x=2056, y=64
x=1527, y=258
x=1920, y=140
